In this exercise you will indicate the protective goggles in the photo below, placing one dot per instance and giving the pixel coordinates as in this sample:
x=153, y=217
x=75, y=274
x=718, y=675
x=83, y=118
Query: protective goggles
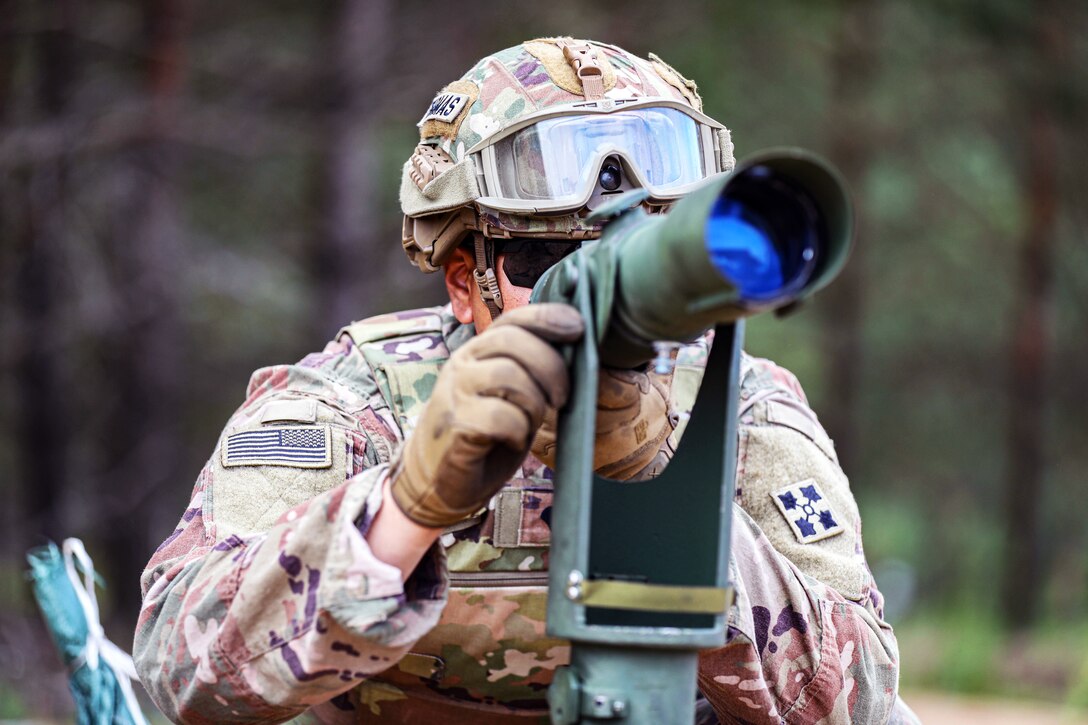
x=551, y=161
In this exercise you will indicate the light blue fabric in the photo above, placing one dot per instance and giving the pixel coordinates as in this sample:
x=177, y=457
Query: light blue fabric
x=97, y=692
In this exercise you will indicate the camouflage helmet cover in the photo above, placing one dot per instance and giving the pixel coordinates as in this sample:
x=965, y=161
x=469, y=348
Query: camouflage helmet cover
x=439, y=182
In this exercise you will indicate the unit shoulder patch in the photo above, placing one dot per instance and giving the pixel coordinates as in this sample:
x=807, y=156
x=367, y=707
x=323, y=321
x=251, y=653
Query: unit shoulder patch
x=295, y=446
x=807, y=511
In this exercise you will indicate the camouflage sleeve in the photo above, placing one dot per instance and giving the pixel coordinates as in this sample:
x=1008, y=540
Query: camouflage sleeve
x=261, y=627
x=797, y=651
x=790, y=482
x=266, y=599
x=807, y=639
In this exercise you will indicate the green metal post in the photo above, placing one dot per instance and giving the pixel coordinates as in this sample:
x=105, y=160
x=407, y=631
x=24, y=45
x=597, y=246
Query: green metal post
x=638, y=578
x=628, y=558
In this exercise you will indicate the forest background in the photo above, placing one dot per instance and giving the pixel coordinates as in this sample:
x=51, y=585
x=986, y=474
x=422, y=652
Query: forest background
x=191, y=190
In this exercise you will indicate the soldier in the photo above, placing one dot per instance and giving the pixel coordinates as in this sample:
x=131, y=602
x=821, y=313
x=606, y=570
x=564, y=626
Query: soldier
x=369, y=540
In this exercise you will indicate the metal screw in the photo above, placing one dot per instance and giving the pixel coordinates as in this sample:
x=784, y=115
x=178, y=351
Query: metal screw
x=574, y=585
x=600, y=701
x=619, y=707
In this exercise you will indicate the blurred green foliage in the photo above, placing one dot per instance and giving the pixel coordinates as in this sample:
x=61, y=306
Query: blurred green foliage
x=963, y=652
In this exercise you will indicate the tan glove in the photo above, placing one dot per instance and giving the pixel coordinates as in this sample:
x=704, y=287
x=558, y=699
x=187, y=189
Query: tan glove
x=632, y=425
x=489, y=400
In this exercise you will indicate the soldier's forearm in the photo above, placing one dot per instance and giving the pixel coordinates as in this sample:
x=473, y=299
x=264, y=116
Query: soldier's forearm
x=396, y=539
x=267, y=623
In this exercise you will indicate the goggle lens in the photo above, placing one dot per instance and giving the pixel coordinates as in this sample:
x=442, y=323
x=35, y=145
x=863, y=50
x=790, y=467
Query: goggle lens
x=558, y=158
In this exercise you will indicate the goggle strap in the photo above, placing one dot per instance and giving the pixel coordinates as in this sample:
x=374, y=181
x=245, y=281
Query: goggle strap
x=723, y=146
x=484, y=274
x=492, y=231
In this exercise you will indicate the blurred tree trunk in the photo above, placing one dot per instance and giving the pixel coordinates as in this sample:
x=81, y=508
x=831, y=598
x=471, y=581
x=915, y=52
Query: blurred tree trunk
x=8, y=54
x=42, y=419
x=1031, y=341
x=851, y=137
x=12, y=520
x=344, y=254
x=143, y=442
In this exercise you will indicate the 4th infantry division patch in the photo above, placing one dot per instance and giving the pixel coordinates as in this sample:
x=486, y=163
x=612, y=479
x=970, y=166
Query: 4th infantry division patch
x=807, y=511
x=297, y=446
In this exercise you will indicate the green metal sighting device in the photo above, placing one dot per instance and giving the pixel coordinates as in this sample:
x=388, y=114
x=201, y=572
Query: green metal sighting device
x=639, y=571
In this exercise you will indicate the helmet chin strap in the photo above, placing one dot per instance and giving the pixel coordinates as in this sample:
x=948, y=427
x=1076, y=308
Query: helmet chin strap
x=484, y=274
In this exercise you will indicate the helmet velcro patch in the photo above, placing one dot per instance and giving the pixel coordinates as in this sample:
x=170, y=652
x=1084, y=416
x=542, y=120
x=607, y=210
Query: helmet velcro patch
x=559, y=68
x=448, y=109
x=445, y=107
x=686, y=87
x=453, y=187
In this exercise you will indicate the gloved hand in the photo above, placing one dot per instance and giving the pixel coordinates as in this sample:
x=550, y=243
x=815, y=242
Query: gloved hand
x=632, y=425
x=489, y=400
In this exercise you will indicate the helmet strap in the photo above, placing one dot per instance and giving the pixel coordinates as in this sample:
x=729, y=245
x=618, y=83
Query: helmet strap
x=486, y=279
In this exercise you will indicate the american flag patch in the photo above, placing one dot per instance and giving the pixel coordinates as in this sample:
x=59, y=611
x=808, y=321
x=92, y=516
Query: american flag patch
x=296, y=446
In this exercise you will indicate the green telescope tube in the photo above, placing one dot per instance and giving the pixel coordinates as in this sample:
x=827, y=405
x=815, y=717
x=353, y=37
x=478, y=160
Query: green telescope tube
x=768, y=235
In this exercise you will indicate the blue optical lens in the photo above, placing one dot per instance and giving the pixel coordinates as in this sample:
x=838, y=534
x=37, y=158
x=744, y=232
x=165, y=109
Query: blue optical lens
x=743, y=251
x=764, y=235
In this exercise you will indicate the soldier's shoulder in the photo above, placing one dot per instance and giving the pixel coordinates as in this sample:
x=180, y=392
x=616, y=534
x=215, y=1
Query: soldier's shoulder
x=423, y=320
x=759, y=374
x=346, y=372
x=409, y=336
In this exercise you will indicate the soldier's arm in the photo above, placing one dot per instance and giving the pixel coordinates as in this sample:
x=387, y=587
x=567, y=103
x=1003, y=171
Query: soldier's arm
x=807, y=640
x=266, y=625
x=267, y=598
x=396, y=539
x=797, y=650
x=255, y=610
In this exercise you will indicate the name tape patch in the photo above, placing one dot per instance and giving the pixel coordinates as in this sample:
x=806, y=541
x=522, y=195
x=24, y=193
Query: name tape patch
x=290, y=411
x=445, y=107
x=807, y=511
x=297, y=446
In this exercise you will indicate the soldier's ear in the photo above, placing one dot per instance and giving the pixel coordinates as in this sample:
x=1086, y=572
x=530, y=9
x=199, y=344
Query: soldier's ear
x=459, y=283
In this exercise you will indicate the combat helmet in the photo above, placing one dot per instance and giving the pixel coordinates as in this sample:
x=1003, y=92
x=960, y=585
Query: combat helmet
x=530, y=139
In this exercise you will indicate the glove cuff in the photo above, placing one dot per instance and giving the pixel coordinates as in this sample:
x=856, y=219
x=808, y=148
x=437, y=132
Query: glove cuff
x=418, y=499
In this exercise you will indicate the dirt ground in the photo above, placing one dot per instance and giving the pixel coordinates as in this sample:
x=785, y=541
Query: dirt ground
x=941, y=709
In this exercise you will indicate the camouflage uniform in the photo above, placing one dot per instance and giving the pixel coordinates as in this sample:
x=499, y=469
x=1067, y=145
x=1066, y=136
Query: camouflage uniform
x=266, y=602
